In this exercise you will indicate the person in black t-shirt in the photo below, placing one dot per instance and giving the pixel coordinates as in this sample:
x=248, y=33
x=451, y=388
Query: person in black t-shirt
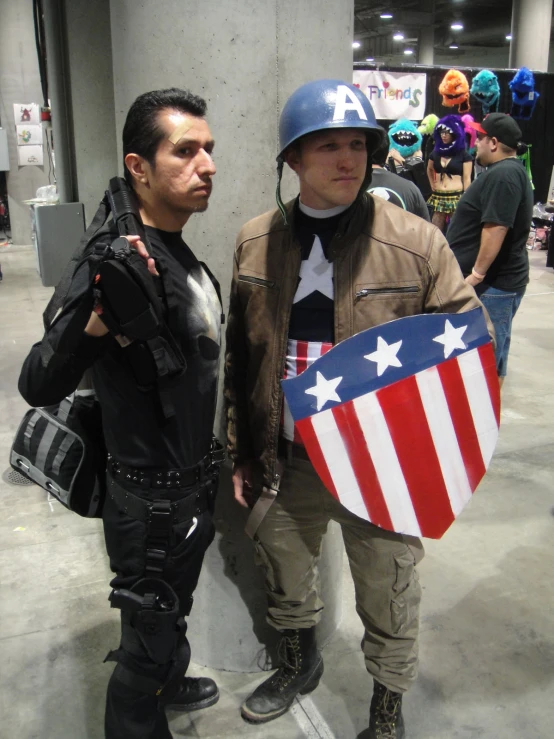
x=393, y=187
x=489, y=230
x=158, y=511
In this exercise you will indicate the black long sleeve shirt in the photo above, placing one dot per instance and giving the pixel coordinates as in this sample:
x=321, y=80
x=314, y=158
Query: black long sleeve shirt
x=135, y=432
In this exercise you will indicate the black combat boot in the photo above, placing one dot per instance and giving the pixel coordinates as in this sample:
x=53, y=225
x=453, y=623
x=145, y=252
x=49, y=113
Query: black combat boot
x=300, y=671
x=385, y=715
x=194, y=693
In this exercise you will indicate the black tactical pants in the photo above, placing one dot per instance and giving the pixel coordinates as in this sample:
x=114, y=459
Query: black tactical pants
x=132, y=713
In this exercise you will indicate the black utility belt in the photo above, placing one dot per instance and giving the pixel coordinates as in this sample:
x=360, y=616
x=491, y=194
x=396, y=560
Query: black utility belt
x=162, y=479
x=144, y=509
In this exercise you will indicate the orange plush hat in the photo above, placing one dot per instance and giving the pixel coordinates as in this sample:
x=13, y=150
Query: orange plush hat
x=455, y=90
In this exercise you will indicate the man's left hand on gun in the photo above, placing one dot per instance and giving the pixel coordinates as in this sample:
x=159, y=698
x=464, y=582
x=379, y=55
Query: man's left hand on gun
x=96, y=327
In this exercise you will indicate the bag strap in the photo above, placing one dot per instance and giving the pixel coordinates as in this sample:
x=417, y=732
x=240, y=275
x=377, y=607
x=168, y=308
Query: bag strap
x=64, y=409
x=28, y=433
x=62, y=288
x=217, y=287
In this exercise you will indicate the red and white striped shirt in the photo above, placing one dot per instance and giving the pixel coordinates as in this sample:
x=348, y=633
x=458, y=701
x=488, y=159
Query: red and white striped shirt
x=300, y=355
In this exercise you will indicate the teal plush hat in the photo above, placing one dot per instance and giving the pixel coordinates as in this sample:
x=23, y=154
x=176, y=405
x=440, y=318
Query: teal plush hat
x=486, y=90
x=405, y=137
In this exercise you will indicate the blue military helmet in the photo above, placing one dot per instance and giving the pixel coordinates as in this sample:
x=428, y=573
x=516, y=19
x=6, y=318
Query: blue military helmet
x=324, y=104
x=321, y=105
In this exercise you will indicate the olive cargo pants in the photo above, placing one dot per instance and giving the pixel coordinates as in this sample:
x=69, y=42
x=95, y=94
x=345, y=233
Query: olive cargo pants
x=382, y=563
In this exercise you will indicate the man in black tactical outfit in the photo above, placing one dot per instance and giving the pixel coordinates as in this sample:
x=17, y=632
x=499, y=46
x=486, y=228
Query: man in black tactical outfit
x=161, y=471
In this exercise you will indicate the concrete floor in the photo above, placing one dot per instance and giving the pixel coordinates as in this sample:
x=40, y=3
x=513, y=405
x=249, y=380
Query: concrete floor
x=487, y=641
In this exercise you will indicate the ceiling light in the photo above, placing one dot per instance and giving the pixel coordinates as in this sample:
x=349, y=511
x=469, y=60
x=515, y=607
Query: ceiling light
x=453, y=46
x=356, y=44
x=385, y=16
x=408, y=51
x=457, y=26
x=398, y=37
x=370, y=59
x=509, y=37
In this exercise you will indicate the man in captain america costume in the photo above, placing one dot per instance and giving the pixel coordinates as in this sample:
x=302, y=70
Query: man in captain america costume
x=318, y=270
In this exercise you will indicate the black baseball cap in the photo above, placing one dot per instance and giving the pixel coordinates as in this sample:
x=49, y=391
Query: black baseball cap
x=502, y=127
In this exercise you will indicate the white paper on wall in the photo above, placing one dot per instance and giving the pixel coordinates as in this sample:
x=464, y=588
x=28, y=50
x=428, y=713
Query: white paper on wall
x=26, y=113
x=393, y=95
x=29, y=155
x=28, y=134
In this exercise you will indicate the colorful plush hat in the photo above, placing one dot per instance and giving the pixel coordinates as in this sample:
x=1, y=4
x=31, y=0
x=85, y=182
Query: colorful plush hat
x=455, y=90
x=427, y=125
x=470, y=131
x=486, y=90
x=405, y=137
x=524, y=97
x=451, y=124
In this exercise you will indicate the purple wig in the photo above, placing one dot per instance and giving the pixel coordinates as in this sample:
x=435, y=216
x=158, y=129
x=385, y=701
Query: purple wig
x=454, y=125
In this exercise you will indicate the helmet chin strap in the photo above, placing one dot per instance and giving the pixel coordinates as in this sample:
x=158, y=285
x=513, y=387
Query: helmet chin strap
x=280, y=163
x=367, y=179
x=363, y=189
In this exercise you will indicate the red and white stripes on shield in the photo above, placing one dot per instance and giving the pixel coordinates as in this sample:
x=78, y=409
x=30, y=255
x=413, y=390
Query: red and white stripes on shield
x=409, y=456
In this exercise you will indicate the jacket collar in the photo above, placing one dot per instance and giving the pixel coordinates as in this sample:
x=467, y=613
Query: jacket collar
x=351, y=225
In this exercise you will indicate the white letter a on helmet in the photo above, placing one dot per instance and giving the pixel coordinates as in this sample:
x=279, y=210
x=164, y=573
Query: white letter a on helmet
x=344, y=94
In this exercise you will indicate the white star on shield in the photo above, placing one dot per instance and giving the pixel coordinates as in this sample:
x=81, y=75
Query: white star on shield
x=385, y=356
x=451, y=338
x=324, y=390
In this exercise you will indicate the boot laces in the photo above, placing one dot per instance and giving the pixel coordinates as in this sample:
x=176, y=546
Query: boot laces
x=387, y=713
x=290, y=660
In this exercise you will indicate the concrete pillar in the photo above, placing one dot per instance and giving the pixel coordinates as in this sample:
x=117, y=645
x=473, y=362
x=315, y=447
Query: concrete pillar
x=19, y=83
x=56, y=65
x=90, y=88
x=530, y=44
x=245, y=57
x=426, y=52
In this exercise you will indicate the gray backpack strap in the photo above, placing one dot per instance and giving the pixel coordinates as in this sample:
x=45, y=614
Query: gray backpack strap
x=29, y=431
x=64, y=409
x=61, y=454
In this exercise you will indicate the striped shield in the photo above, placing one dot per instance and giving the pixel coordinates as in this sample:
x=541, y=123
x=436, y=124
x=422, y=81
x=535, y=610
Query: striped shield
x=401, y=420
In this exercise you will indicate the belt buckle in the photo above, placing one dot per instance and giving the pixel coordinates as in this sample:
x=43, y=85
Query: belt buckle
x=160, y=513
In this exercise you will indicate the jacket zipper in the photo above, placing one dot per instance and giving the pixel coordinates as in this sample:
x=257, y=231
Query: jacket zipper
x=256, y=281
x=385, y=291
x=275, y=477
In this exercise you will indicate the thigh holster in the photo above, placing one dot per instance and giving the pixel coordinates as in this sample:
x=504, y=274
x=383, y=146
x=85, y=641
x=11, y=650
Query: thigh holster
x=154, y=653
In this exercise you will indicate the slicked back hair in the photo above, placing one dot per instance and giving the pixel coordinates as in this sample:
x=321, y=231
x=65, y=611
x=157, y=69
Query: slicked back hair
x=142, y=133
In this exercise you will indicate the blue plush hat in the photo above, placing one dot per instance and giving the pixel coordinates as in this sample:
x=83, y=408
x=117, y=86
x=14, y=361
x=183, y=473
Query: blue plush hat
x=405, y=137
x=486, y=90
x=524, y=97
x=451, y=124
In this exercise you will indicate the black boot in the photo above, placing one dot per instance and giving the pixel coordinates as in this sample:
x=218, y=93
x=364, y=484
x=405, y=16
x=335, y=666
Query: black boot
x=300, y=671
x=385, y=715
x=194, y=693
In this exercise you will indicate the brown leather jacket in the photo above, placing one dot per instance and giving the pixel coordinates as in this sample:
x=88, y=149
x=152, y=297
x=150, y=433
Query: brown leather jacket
x=388, y=264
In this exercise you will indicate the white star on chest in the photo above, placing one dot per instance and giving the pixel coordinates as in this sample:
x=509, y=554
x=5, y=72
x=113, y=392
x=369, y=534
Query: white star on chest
x=316, y=274
x=385, y=356
x=324, y=390
x=451, y=338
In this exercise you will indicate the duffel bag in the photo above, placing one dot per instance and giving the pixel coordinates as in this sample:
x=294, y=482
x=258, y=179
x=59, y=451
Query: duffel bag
x=62, y=449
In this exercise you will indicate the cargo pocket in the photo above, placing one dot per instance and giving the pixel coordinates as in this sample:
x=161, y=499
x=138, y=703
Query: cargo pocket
x=262, y=560
x=406, y=593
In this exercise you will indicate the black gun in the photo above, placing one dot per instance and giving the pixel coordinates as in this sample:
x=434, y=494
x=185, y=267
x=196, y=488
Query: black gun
x=126, y=600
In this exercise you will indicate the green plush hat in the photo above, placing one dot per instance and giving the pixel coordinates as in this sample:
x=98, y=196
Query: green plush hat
x=428, y=124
